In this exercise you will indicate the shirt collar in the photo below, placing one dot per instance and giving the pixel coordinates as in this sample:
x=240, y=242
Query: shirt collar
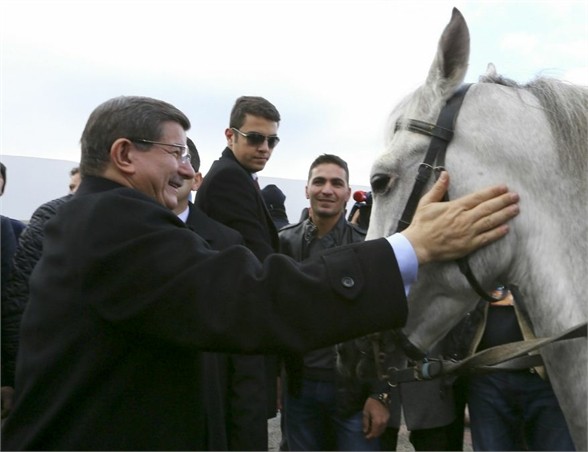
x=184, y=215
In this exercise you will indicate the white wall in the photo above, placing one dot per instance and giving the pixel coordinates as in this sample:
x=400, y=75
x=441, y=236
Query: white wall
x=31, y=182
x=34, y=181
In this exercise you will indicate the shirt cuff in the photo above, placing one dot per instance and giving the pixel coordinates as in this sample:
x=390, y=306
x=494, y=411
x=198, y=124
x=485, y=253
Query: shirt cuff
x=406, y=258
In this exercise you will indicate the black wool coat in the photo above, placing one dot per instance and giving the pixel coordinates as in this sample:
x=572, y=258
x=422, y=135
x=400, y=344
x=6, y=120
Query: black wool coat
x=126, y=297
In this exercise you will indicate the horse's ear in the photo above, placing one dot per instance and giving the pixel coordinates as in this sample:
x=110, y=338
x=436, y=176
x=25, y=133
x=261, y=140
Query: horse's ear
x=490, y=71
x=451, y=61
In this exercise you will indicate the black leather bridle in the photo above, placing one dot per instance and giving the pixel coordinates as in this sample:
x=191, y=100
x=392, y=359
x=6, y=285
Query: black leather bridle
x=512, y=356
x=441, y=134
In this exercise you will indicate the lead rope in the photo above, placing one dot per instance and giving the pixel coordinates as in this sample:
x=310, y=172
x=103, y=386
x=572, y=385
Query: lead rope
x=512, y=356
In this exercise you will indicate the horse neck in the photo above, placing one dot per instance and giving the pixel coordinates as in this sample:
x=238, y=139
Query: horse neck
x=549, y=266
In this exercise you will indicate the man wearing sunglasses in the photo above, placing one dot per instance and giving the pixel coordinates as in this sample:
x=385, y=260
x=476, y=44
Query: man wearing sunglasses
x=230, y=379
x=230, y=194
x=125, y=297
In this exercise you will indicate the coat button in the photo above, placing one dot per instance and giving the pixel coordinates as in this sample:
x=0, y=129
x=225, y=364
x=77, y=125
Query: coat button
x=347, y=281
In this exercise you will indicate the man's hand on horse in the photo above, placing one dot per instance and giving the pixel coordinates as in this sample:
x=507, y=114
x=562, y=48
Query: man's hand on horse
x=449, y=230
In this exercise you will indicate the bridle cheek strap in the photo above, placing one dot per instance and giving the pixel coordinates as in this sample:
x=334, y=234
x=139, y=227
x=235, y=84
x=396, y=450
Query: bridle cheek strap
x=441, y=134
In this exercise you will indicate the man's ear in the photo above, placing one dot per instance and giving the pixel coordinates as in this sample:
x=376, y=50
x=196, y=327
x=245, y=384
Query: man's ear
x=306, y=191
x=197, y=181
x=229, y=135
x=121, y=156
x=348, y=196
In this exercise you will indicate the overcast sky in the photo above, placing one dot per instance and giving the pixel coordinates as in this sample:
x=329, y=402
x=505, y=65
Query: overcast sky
x=334, y=68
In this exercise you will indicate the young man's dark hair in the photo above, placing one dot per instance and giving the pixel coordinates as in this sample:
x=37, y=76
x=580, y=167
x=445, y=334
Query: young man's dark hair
x=254, y=106
x=329, y=158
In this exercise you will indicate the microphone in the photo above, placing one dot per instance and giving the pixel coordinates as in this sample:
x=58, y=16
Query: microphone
x=360, y=196
x=363, y=196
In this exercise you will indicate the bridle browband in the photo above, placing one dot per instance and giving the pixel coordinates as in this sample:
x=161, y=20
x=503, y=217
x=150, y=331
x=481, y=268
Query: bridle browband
x=441, y=134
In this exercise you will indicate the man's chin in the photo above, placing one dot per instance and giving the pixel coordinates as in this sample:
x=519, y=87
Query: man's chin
x=170, y=203
x=325, y=213
x=257, y=166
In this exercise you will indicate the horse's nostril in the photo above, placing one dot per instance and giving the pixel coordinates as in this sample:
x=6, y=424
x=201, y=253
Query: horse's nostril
x=379, y=183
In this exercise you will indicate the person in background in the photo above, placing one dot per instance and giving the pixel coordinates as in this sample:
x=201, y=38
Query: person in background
x=125, y=297
x=17, y=226
x=11, y=232
x=510, y=409
x=16, y=288
x=3, y=175
x=325, y=410
x=227, y=377
x=230, y=194
x=361, y=210
x=8, y=245
x=74, y=179
x=274, y=200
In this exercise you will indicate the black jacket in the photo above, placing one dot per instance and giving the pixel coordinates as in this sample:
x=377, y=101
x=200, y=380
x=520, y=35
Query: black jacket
x=229, y=195
x=351, y=391
x=231, y=380
x=126, y=297
x=16, y=288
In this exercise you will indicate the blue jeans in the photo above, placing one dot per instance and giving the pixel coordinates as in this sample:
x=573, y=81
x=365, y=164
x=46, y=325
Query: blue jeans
x=516, y=411
x=312, y=422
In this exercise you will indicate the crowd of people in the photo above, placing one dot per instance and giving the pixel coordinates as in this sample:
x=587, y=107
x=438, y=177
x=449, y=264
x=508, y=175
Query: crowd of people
x=136, y=316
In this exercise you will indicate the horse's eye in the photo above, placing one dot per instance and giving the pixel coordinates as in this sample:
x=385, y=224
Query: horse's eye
x=379, y=183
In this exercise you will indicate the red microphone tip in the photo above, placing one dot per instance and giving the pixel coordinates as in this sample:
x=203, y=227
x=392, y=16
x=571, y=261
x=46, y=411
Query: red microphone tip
x=360, y=196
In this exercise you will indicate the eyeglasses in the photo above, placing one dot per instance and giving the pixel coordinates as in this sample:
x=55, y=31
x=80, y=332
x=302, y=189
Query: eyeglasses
x=256, y=138
x=181, y=154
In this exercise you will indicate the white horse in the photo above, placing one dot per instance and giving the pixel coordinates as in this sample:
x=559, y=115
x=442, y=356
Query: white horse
x=533, y=138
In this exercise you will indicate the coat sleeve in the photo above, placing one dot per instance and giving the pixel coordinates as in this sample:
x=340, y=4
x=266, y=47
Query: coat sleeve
x=142, y=271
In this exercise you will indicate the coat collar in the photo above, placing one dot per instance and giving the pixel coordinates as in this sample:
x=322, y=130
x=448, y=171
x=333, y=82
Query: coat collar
x=93, y=184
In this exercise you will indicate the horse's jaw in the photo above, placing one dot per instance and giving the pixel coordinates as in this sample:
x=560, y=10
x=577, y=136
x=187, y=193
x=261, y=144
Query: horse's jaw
x=436, y=304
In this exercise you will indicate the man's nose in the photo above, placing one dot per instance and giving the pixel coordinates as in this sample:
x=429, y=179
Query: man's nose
x=264, y=146
x=186, y=171
x=328, y=188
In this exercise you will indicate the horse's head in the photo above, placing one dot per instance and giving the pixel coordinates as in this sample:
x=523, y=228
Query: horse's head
x=442, y=295
x=393, y=173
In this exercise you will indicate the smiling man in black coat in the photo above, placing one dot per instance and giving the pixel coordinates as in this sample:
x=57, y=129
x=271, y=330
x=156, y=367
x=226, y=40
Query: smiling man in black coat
x=125, y=297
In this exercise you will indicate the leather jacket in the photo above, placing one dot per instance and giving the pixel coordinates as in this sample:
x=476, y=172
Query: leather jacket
x=296, y=241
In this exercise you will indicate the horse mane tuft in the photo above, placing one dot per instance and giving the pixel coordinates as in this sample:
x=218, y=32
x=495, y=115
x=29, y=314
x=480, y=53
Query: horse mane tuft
x=565, y=107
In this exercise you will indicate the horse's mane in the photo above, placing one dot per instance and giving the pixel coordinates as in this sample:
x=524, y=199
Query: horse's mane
x=565, y=106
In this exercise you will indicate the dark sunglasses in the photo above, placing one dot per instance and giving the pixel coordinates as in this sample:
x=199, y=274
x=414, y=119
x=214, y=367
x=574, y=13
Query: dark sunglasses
x=256, y=138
